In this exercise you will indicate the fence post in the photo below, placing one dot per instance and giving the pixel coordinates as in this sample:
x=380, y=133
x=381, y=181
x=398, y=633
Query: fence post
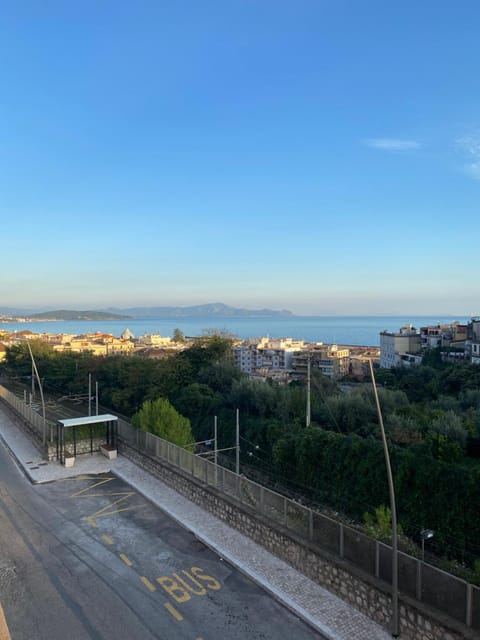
x=341, y=538
x=310, y=525
x=377, y=559
x=285, y=512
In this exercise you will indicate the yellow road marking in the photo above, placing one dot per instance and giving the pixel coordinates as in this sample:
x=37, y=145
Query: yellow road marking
x=4, y=632
x=87, y=492
x=107, y=539
x=91, y=486
x=104, y=510
x=126, y=560
x=76, y=478
x=148, y=584
x=171, y=609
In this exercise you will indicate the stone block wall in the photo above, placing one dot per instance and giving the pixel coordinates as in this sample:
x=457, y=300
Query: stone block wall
x=417, y=622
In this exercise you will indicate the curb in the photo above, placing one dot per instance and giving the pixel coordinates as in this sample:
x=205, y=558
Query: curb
x=226, y=555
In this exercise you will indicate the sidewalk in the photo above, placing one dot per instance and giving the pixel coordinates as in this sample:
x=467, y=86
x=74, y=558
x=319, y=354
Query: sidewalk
x=317, y=606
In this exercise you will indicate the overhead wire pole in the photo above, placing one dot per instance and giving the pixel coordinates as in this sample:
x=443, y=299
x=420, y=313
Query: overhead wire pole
x=237, y=465
x=34, y=366
x=395, y=620
x=89, y=394
x=309, y=410
x=215, y=440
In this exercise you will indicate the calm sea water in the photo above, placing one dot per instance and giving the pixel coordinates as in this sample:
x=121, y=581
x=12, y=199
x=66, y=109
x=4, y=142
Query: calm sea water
x=347, y=330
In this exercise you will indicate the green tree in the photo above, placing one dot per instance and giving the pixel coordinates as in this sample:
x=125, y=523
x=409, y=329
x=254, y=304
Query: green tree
x=160, y=418
x=178, y=336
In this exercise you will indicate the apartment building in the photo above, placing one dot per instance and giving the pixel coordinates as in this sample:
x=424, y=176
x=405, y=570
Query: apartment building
x=265, y=356
x=330, y=360
x=443, y=335
x=400, y=348
x=472, y=343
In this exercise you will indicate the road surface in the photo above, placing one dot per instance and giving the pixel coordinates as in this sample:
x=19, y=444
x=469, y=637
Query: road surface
x=89, y=557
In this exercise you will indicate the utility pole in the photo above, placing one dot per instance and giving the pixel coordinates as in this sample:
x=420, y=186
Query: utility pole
x=89, y=394
x=309, y=411
x=215, y=452
x=237, y=466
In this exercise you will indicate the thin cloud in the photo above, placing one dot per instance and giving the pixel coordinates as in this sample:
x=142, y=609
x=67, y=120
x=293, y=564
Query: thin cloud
x=470, y=146
x=392, y=144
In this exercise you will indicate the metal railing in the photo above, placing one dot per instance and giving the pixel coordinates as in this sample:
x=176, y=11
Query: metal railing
x=416, y=578
x=30, y=414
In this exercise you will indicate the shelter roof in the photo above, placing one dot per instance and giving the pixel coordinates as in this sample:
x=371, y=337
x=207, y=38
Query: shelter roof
x=77, y=422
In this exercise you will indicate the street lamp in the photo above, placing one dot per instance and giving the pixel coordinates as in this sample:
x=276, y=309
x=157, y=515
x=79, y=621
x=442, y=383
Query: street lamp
x=425, y=534
x=395, y=616
x=34, y=365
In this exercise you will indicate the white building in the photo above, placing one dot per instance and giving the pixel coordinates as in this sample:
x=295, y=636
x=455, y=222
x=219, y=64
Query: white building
x=265, y=355
x=395, y=347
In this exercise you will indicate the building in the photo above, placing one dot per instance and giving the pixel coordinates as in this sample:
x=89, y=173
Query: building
x=265, y=357
x=400, y=348
x=472, y=343
x=330, y=360
x=443, y=335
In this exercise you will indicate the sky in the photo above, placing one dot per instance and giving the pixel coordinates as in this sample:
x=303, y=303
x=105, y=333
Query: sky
x=317, y=155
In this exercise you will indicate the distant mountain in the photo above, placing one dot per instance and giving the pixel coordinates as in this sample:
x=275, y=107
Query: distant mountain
x=16, y=311
x=71, y=314
x=216, y=309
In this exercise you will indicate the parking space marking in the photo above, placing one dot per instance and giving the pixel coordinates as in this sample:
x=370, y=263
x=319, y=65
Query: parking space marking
x=171, y=609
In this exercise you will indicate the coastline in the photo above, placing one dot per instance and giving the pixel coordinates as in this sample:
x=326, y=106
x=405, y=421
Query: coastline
x=349, y=331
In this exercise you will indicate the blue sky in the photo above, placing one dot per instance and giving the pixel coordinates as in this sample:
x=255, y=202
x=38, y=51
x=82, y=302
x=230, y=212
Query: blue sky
x=317, y=155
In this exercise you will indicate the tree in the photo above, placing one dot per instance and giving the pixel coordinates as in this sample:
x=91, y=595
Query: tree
x=160, y=418
x=178, y=336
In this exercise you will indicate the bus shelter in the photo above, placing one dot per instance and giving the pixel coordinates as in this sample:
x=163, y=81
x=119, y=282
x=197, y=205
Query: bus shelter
x=75, y=429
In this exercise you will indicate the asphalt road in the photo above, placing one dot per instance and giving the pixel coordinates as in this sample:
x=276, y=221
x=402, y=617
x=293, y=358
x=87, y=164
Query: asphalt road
x=91, y=558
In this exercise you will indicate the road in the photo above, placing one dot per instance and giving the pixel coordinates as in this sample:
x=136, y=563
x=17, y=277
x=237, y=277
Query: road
x=89, y=557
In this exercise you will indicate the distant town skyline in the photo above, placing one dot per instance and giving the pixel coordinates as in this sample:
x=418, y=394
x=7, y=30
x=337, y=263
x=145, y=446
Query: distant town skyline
x=315, y=156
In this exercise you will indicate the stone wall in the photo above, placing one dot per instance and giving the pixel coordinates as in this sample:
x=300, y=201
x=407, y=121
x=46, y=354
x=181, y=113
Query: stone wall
x=371, y=596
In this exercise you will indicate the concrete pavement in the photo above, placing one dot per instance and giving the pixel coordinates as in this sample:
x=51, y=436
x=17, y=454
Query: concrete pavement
x=321, y=609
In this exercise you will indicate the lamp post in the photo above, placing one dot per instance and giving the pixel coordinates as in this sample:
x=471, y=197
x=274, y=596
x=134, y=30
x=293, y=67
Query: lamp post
x=395, y=617
x=425, y=534
x=34, y=367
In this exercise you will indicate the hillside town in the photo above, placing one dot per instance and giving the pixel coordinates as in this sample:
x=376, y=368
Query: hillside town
x=282, y=359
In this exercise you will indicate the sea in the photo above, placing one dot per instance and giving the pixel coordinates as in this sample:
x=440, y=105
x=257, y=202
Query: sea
x=342, y=330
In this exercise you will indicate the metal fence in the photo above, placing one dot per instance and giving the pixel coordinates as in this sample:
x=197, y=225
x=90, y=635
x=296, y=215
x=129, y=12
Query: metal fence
x=417, y=579
x=45, y=429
